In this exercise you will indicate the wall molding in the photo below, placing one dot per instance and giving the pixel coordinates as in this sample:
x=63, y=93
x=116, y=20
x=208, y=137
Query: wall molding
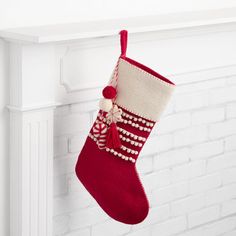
x=64, y=80
x=31, y=163
x=32, y=108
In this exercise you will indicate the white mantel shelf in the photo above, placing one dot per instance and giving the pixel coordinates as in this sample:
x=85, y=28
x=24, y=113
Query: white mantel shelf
x=110, y=27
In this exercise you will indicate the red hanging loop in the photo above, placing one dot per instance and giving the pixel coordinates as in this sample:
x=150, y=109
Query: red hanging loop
x=123, y=42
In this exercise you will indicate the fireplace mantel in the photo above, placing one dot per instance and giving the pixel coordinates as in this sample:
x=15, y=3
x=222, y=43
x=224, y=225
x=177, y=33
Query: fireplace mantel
x=43, y=74
x=105, y=28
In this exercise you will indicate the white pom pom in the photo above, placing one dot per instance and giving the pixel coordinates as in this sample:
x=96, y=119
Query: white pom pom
x=105, y=104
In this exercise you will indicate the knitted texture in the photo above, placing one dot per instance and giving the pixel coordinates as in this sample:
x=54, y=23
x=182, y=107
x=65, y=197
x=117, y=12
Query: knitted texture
x=107, y=172
x=112, y=179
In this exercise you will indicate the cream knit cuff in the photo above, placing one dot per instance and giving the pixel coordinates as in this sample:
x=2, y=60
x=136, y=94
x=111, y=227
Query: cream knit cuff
x=141, y=92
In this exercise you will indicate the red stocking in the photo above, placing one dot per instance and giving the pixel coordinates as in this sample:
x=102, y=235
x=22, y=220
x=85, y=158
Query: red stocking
x=132, y=104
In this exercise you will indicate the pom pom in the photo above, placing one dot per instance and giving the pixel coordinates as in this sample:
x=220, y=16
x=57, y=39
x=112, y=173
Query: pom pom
x=105, y=104
x=109, y=92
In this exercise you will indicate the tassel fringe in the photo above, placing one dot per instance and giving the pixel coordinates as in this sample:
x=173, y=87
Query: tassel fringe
x=113, y=139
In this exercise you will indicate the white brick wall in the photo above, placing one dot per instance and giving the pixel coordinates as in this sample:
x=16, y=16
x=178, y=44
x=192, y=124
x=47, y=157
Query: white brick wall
x=188, y=166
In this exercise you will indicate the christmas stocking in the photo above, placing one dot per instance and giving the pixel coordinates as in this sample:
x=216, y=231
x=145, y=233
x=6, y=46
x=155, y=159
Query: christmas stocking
x=131, y=105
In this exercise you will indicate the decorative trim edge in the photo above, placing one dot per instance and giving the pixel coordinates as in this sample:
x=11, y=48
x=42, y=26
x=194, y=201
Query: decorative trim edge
x=34, y=107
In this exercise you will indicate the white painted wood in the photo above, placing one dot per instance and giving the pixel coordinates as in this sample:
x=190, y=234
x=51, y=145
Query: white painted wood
x=93, y=29
x=82, y=70
x=31, y=137
x=31, y=74
x=35, y=107
x=4, y=141
x=44, y=12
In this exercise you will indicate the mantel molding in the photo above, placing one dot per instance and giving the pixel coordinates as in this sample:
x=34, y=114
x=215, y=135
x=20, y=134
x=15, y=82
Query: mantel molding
x=110, y=27
x=32, y=108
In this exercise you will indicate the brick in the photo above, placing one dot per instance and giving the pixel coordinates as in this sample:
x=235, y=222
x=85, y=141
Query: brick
x=173, y=122
x=190, y=136
x=60, y=225
x=200, y=86
x=231, y=80
x=169, y=108
x=203, y=216
x=74, y=184
x=76, y=143
x=230, y=143
x=141, y=232
x=220, y=195
x=193, y=232
x=191, y=101
x=171, y=158
x=187, y=205
x=222, y=95
x=220, y=227
x=231, y=110
x=207, y=149
x=203, y=75
x=229, y=208
x=208, y=116
x=82, y=232
x=71, y=124
x=205, y=183
x=94, y=115
x=232, y=233
x=144, y=165
x=222, y=129
x=60, y=146
x=229, y=175
x=156, y=215
x=86, y=95
x=110, y=227
x=157, y=144
x=221, y=162
x=62, y=110
x=64, y=165
x=71, y=202
x=188, y=171
x=60, y=185
x=167, y=194
x=156, y=179
x=87, y=217
x=170, y=227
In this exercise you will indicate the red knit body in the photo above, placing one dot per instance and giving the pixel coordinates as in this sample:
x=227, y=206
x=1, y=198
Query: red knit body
x=106, y=165
x=111, y=180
